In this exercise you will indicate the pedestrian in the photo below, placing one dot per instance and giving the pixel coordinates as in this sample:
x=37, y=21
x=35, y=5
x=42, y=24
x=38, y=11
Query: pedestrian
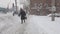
x=23, y=15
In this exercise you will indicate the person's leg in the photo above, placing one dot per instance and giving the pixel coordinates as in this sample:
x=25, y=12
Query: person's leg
x=24, y=20
x=21, y=21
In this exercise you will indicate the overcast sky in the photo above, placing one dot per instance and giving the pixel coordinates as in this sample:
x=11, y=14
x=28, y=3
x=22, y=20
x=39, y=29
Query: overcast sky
x=4, y=3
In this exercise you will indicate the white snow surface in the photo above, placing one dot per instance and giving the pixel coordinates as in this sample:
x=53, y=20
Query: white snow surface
x=10, y=24
x=42, y=25
x=34, y=25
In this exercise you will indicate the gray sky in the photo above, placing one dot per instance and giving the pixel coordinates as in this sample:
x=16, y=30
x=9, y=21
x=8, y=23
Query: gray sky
x=4, y=3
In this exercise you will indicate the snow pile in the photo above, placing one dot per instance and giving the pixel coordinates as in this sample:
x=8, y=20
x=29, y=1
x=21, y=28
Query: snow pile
x=7, y=14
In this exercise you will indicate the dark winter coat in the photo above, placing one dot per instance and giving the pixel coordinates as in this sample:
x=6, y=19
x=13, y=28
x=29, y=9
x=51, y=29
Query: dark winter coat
x=22, y=14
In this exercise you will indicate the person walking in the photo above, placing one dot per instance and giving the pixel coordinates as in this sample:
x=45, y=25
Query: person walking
x=23, y=15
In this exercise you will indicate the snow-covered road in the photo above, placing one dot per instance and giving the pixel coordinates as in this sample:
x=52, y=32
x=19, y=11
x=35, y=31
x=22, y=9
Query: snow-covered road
x=34, y=25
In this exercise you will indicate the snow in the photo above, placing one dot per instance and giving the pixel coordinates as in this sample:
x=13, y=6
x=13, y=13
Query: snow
x=10, y=24
x=34, y=25
x=42, y=25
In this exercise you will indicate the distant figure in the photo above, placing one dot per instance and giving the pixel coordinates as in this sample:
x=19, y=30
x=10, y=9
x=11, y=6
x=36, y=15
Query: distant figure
x=23, y=15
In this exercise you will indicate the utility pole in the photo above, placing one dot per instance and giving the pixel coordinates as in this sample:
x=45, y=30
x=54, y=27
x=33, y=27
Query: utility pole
x=8, y=6
x=13, y=5
x=16, y=5
x=53, y=10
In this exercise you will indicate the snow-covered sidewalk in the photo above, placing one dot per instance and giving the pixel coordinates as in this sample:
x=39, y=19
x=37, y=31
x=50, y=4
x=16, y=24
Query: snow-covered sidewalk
x=11, y=24
x=42, y=25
